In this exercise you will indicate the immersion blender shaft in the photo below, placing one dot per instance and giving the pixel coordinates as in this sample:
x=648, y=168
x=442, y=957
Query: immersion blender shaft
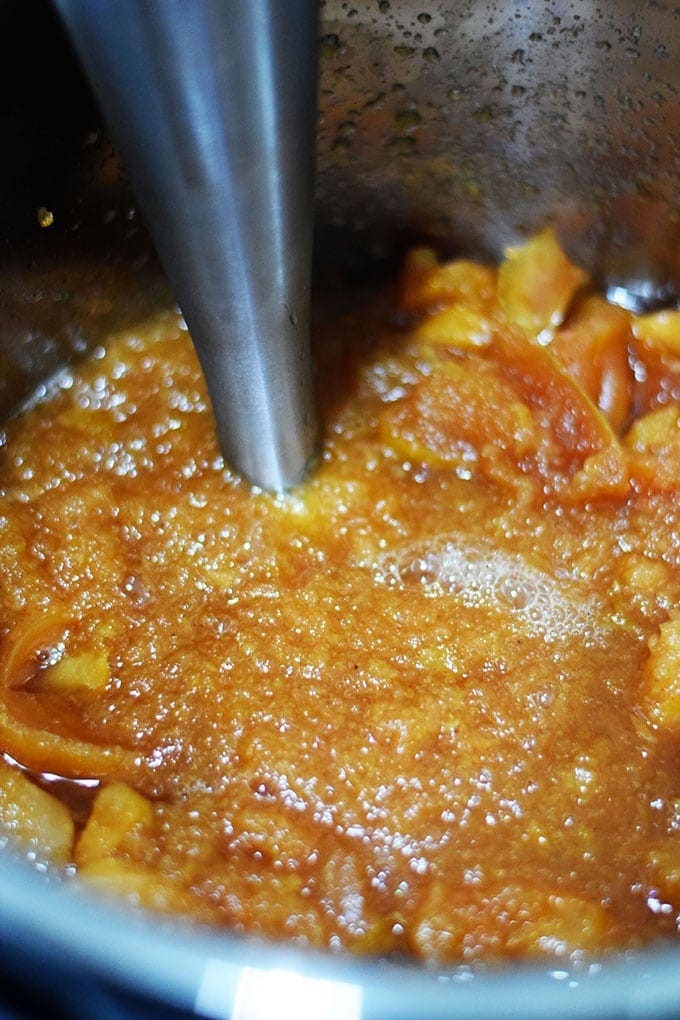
x=212, y=104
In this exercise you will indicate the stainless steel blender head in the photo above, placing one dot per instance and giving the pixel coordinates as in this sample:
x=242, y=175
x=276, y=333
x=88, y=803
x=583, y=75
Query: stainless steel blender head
x=213, y=107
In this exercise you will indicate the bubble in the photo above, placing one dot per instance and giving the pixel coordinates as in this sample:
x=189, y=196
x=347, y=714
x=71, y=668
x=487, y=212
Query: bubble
x=515, y=594
x=422, y=570
x=481, y=575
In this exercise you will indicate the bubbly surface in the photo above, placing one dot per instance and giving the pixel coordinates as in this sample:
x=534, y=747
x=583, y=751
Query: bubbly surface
x=424, y=703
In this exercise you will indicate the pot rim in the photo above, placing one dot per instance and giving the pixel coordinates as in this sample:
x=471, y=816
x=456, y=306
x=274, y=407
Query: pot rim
x=204, y=970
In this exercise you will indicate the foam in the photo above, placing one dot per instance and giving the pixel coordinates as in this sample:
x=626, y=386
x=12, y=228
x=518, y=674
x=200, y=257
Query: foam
x=480, y=575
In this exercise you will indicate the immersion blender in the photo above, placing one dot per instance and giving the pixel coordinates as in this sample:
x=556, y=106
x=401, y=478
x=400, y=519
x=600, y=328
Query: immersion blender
x=212, y=104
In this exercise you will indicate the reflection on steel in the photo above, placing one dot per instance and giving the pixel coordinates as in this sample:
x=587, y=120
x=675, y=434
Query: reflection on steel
x=262, y=994
x=213, y=106
x=475, y=123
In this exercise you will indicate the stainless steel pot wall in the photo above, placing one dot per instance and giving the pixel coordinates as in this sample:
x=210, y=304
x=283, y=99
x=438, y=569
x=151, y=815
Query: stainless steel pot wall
x=467, y=123
x=473, y=122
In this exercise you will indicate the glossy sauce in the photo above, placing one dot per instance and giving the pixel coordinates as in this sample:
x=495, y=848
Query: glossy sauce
x=409, y=707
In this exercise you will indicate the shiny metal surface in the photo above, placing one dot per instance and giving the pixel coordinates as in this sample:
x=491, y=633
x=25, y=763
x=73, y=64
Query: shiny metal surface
x=477, y=122
x=213, y=106
x=203, y=971
x=558, y=110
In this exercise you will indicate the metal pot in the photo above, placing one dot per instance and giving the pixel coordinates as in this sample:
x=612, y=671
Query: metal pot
x=468, y=124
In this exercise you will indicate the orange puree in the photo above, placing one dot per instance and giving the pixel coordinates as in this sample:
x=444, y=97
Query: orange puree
x=428, y=703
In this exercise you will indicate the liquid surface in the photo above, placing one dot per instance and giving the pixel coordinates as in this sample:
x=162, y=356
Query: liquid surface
x=427, y=703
